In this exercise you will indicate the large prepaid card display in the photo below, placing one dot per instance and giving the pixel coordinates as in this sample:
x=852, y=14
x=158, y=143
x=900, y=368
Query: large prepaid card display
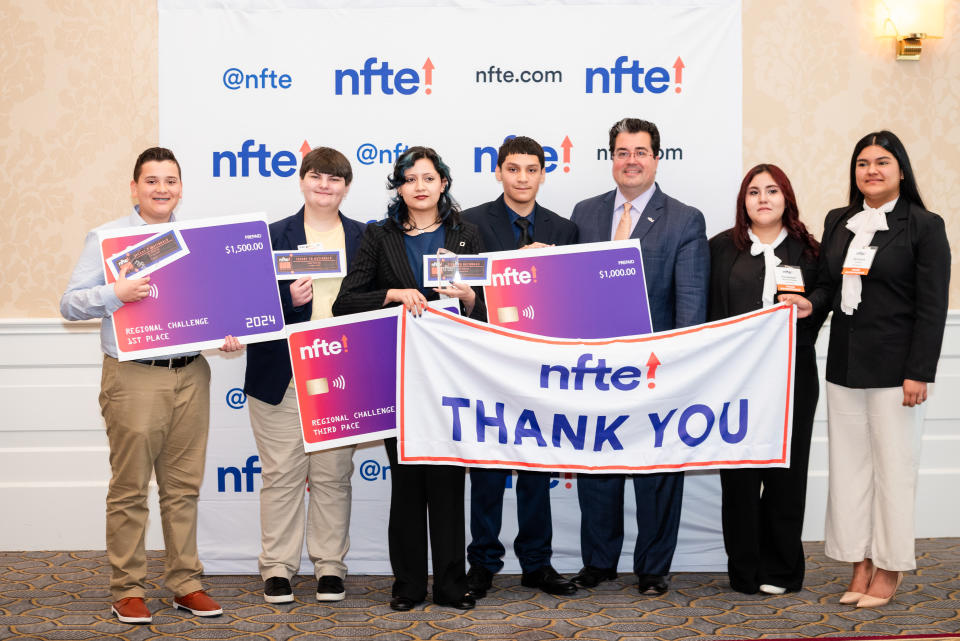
x=575, y=291
x=344, y=371
x=208, y=278
x=345, y=375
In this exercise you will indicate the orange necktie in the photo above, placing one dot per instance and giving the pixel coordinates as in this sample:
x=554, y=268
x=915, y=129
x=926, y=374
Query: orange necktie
x=625, y=226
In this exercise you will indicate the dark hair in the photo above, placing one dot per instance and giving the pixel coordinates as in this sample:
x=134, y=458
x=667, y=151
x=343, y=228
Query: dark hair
x=635, y=126
x=791, y=213
x=154, y=154
x=889, y=141
x=447, y=207
x=326, y=160
x=520, y=145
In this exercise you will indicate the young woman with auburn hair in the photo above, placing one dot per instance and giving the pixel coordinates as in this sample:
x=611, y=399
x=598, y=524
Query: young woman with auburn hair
x=763, y=507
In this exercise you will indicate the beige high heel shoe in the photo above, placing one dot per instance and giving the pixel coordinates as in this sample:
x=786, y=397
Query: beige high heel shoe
x=853, y=598
x=869, y=601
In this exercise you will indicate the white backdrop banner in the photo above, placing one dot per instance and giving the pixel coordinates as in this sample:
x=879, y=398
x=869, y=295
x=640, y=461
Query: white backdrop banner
x=247, y=87
x=707, y=397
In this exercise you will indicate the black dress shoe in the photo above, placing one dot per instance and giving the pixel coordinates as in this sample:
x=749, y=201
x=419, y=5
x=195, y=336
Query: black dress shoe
x=548, y=580
x=591, y=577
x=466, y=602
x=403, y=604
x=479, y=580
x=653, y=584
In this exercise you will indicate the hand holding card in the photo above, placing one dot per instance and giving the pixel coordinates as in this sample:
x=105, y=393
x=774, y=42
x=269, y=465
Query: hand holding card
x=133, y=289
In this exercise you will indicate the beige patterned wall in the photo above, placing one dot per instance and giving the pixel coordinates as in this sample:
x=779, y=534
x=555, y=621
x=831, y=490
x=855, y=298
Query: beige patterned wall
x=79, y=101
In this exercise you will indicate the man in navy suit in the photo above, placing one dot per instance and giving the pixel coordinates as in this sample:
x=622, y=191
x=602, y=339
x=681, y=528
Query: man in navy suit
x=513, y=221
x=676, y=268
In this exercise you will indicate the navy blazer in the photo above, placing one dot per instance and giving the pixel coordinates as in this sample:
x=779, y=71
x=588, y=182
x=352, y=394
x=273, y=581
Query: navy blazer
x=676, y=257
x=496, y=230
x=382, y=264
x=268, y=364
x=897, y=330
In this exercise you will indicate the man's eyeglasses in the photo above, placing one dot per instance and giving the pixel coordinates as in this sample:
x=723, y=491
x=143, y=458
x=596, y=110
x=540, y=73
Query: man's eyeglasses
x=625, y=154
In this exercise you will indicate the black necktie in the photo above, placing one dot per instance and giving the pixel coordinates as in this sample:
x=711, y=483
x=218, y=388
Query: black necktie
x=525, y=239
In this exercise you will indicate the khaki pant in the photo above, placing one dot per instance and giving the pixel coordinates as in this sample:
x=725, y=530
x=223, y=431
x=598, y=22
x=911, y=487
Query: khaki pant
x=157, y=421
x=874, y=445
x=285, y=470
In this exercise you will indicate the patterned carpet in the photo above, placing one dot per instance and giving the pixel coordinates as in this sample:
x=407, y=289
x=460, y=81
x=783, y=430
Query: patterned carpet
x=64, y=595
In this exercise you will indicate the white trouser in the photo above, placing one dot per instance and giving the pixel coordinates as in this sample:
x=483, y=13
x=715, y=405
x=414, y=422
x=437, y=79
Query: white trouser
x=874, y=444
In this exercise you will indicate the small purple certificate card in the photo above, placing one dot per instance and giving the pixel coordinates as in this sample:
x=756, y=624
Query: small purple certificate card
x=345, y=374
x=594, y=290
x=441, y=269
x=224, y=285
x=293, y=264
x=149, y=255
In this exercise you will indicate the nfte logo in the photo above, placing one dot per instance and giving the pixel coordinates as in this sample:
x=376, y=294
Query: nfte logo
x=264, y=162
x=405, y=81
x=323, y=347
x=513, y=276
x=551, y=157
x=627, y=75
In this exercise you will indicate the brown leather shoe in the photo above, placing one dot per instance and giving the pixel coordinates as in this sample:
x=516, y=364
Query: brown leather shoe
x=199, y=603
x=131, y=610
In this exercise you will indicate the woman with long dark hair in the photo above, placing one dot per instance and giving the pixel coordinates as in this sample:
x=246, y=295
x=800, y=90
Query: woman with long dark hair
x=763, y=507
x=421, y=219
x=885, y=273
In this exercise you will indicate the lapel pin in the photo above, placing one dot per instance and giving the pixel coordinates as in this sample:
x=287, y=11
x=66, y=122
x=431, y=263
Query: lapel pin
x=650, y=219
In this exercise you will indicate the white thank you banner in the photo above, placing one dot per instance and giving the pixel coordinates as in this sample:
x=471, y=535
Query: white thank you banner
x=712, y=396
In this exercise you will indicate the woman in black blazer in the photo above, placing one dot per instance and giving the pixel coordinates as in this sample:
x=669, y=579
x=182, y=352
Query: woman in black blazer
x=388, y=271
x=889, y=311
x=763, y=507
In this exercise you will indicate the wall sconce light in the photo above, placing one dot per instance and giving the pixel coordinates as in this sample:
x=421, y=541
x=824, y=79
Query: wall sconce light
x=910, y=22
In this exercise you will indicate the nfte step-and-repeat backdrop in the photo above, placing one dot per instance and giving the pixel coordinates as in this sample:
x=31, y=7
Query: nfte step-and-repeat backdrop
x=247, y=87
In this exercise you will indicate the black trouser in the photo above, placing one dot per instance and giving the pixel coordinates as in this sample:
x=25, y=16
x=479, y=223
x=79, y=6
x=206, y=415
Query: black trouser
x=763, y=508
x=416, y=491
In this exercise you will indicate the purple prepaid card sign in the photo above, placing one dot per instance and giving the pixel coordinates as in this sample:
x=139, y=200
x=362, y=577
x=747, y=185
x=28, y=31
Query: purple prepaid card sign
x=225, y=284
x=344, y=370
x=345, y=373
x=594, y=290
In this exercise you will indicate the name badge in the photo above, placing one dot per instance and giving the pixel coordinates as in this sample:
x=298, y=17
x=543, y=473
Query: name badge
x=789, y=278
x=310, y=246
x=858, y=261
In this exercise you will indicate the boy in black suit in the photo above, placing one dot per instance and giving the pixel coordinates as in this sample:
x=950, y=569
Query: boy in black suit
x=515, y=221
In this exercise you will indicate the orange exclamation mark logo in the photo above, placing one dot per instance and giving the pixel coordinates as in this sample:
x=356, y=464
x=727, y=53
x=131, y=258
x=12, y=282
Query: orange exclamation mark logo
x=652, y=364
x=678, y=73
x=566, y=145
x=428, y=76
x=343, y=341
x=533, y=272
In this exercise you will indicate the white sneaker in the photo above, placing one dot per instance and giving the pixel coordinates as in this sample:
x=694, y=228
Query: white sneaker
x=772, y=589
